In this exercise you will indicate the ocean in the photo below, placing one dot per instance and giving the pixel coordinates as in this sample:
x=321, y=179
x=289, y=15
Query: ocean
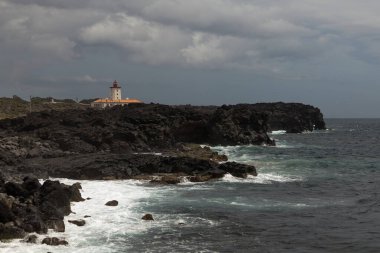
x=315, y=192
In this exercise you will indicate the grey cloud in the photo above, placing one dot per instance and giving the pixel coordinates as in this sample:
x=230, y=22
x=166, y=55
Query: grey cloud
x=211, y=33
x=143, y=41
x=224, y=17
x=286, y=40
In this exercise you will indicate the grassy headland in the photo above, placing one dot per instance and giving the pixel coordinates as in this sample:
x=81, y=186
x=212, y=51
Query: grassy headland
x=16, y=107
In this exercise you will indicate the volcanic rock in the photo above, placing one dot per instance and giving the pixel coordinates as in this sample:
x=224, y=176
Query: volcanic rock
x=112, y=203
x=31, y=239
x=147, y=217
x=105, y=144
x=292, y=117
x=55, y=199
x=238, y=169
x=31, y=184
x=74, y=191
x=54, y=241
x=56, y=224
x=15, y=190
x=30, y=207
x=10, y=231
x=79, y=223
x=6, y=214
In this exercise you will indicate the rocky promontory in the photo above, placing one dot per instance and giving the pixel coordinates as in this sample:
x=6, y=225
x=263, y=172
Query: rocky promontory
x=142, y=140
x=159, y=143
x=119, y=142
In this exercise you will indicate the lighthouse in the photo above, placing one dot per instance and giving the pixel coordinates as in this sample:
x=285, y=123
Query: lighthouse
x=115, y=91
x=115, y=98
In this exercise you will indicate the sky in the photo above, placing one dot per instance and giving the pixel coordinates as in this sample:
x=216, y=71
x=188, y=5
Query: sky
x=208, y=52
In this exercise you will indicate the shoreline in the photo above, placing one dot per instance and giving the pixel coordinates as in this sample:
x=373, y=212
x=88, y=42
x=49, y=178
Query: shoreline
x=123, y=143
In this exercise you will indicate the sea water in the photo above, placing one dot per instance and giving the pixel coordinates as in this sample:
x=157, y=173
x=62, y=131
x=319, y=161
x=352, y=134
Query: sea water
x=315, y=192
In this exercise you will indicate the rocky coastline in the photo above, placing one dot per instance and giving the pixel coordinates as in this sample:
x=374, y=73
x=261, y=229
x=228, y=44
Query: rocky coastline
x=160, y=143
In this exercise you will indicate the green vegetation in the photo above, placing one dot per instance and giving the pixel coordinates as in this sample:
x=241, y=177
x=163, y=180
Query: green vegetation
x=16, y=107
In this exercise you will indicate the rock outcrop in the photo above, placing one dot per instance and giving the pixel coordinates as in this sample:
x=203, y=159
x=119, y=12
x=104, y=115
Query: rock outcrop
x=31, y=207
x=82, y=144
x=147, y=217
x=79, y=223
x=54, y=241
x=137, y=128
x=119, y=143
x=112, y=203
x=105, y=166
x=292, y=117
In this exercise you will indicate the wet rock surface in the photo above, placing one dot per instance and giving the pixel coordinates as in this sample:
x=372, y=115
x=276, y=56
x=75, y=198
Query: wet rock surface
x=79, y=223
x=31, y=239
x=54, y=241
x=148, y=217
x=106, y=166
x=112, y=203
x=29, y=207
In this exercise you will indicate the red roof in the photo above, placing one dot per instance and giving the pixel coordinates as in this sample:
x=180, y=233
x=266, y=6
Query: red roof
x=122, y=101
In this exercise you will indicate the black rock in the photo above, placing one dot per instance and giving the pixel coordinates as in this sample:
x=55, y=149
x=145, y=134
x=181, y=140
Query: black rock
x=30, y=207
x=54, y=241
x=112, y=203
x=75, y=194
x=6, y=214
x=11, y=232
x=56, y=224
x=79, y=223
x=31, y=239
x=31, y=184
x=238, y=169
x=147, y=217
x=55, y=199
x=15, y=189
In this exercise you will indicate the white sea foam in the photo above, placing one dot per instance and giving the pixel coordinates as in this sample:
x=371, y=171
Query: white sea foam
x=261, y=178
x=271, y=204
x=282, y=144
x=326, y=131
x=149, y=153
x=109, y=229
x=106, y=225
x=278, y=132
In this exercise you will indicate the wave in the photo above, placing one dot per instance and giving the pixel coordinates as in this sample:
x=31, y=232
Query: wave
x=105, y=227
x=148, y=153
x=271, y=204
x=261, y=178
x=326, y=131
x=278, y=132
x=282, y=144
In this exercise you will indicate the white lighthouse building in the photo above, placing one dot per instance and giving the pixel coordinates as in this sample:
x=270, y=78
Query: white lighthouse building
x=115, y=98
x=115, y=91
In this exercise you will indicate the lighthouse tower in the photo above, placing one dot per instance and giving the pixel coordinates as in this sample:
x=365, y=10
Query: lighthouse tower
x=116, y=99
x=115, y=91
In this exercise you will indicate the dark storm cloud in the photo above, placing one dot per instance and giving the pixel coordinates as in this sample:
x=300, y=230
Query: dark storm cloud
x=290, y=40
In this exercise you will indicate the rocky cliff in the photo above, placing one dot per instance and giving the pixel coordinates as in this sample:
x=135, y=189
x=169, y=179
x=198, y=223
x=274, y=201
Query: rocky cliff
x=139, y=128
x=292, y=117
x=43, y=140
x=119, y=143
